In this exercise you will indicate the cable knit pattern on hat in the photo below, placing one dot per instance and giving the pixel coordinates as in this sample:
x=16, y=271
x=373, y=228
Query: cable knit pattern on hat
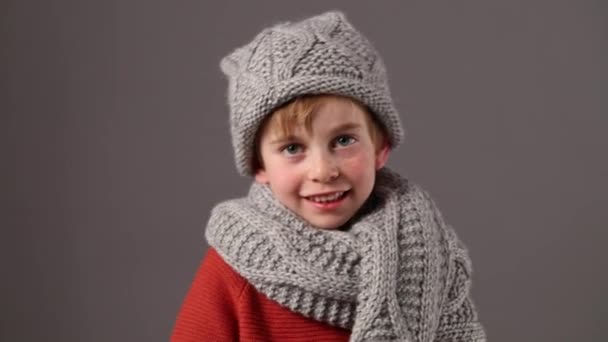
x=396, y=272
x=320, y=55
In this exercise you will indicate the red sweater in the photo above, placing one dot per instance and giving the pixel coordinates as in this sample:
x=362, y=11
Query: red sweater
x=222, y=306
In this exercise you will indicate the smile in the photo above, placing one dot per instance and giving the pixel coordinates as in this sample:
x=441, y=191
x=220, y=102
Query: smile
x=333, y=197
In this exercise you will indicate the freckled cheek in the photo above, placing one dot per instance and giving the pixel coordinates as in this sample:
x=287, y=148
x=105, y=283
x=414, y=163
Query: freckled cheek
x=358, y=165
x=285, y=180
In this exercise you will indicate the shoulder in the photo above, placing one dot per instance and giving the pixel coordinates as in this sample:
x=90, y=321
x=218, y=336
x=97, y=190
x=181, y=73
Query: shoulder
x=423, y=221
x=392, y=183
x=209, y=310
x=215, y=276
x=441, y=240
x=224, y=223
x=415, y=202
x=418, y=205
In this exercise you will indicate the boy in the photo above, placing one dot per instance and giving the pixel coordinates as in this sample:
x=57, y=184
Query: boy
x=328, y=245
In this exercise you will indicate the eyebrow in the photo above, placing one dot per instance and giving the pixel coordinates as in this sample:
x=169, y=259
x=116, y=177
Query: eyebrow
x=282, y=140
x=343, y=127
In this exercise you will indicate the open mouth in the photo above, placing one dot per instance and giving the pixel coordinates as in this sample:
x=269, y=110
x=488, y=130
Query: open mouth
x=329, y=198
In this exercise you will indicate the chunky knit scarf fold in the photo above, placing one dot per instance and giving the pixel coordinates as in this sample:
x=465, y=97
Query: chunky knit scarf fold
x=395, y=272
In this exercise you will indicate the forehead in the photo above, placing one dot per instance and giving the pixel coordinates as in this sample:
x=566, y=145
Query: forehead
x=336, y=114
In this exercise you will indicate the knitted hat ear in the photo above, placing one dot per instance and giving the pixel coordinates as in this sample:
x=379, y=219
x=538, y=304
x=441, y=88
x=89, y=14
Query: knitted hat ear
x=323, y=54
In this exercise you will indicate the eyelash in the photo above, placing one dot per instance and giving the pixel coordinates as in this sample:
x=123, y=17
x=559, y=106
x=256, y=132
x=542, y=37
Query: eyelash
x=350, y=138
x=284, y=149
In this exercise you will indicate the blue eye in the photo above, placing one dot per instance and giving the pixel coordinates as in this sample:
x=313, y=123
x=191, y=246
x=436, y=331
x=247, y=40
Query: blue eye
x=345, y=140
x=291, y=149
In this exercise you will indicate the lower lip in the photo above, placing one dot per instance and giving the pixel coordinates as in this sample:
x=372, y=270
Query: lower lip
x=328, y=205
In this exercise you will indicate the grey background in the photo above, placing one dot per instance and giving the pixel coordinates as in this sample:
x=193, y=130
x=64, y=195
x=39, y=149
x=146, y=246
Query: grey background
x=115, y=146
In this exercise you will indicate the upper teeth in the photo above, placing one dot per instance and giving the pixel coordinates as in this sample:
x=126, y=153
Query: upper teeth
x=326, y=198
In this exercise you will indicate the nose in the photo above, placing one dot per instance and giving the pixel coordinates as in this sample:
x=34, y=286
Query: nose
x=323, y=168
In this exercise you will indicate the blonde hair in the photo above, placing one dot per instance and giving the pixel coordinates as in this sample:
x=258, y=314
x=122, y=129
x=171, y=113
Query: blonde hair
x=300, y=111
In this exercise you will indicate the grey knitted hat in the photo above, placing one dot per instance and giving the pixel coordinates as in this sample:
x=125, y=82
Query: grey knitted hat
x=323, y=54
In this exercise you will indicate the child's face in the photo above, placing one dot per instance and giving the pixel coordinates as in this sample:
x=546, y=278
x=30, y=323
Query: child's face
x=327, y=175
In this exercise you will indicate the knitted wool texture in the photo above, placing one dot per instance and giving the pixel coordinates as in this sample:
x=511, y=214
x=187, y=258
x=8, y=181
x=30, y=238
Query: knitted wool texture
x=319, y=55
x=396, y=272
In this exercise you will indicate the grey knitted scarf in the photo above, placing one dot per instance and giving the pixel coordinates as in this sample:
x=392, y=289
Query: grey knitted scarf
x=395, y=272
